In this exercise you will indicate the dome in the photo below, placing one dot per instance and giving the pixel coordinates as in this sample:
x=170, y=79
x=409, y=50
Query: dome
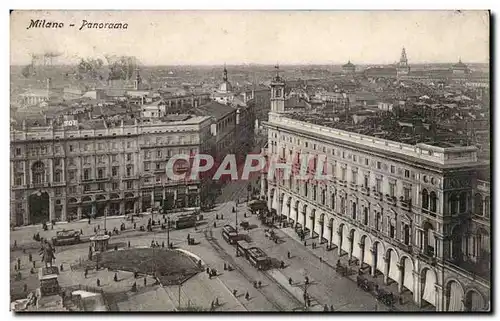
x=225, y=87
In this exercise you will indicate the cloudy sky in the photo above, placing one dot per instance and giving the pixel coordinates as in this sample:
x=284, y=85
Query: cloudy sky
x=267, y=37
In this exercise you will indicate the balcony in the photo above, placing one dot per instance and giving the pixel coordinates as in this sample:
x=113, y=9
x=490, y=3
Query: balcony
x=390, y=199
x=353, y=186
x=55, y=184
x=102, y=179
x=377, y=194
x=342, y=183
x=125, y=178
x=159, y=170
x=365, y=191
x=38, y=185
x=86, y=179
x=405, y=203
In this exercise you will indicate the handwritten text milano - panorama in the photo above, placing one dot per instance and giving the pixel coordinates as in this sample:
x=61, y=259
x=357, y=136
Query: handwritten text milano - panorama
x=84, y=25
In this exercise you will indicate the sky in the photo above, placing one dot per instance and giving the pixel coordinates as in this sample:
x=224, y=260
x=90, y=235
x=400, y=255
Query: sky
x=260, y=37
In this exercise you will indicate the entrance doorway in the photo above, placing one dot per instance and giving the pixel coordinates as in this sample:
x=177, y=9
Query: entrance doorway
x=39, y=208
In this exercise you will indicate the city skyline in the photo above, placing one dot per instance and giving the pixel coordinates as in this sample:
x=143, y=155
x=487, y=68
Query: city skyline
x=459, y=35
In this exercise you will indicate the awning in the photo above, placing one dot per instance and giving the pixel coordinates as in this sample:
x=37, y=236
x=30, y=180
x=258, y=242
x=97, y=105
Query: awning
x=429, y=288
x=456, y=297
x=408, y=274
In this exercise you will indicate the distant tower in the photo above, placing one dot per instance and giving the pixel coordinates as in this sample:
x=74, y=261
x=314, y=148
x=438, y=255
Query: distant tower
x=402, y=67
x=278, y=93
x=138, y=80
x=224, y=78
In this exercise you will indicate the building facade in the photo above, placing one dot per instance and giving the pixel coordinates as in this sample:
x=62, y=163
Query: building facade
x=413, y=214
x=66, y=173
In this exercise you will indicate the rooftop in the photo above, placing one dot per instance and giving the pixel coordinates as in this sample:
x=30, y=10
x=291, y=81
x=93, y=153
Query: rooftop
x=214, y=109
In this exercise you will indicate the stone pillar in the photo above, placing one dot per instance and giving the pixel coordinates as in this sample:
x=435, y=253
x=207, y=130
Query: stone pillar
x=51, y=209
x=304, y=218
x=417, y=288
x=387, y=262
x=312, y=220
x=270, y=199
x=122, y=207
x=64, y=210
x=373, y=268
x=106, y=209
x=94, y=209
x=164, y=194
x=262, y=185
x=79, y=212
x=362, y=250
x=152, y=199
x=26, y=215
x=439, y=298
x=339, y=234
x=400, y=277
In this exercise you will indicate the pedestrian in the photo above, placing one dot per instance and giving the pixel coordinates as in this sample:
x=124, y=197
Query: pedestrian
x=34, y=264
x=235, y=292
x=225, y=266
x=308, y=302
x=247, y=296
x=215, y=225
x=288, y=254
x=260, y=284
x=255, y=284
x=171, y=245
x=135, y=225
x=290, y=280
x=30, y=257
x=307, y=280
x=89, y=220
x=320, y=259
x=216, y=302
x=19, y=263
x=400, y=299
x=128, y=243
x=305, y=243
x=86, y=272
x=208, y=270
x=134, y=287
x=145, y=281
x=163, y=244
x=212, y=306
x=325, y=308
x=61, y=268
x=25, y=288
x=331, y=308
x=221, y=216
x=98, y=282
x=115, y=278
x=81, y=232
x=95, y=229
x=216, y=216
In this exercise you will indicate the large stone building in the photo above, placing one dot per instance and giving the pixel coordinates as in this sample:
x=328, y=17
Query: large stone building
x=418, y=215
x=74, y=171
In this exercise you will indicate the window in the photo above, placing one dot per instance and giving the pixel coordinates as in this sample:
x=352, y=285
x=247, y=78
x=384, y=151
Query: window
x=57, y=149
x=129, y=144
x=100, y=173
x=57, y=162
x=392, y=231
x=100, y=159
x=72, y=190
x=406, y=193
x=86, y=159
x=86, y=174
x=366, y=181
x=343, y=173
x=406, y=236
x=113, y=145
x=354, y=176
x=146, y=166
x=158, y=166
x=314, y=192
x=86, y=188
x=100, y=146
x=18, y=151
x=114, y=171
x=72, y=175
x=70, y=148
x=365, y=215
x=113, y=158
x=392, y=189
x=129, y=157
x=115, y=186
x=101, y=186
x=366, y=161
x=343, y=154
x=378, y=185
x=129, y=171
x=393, y=169
x=407, y=173
x=354, y=158
x=147, y=154
x=379, y=165
x=19, y=180
x=57, y=177
x=130, y=185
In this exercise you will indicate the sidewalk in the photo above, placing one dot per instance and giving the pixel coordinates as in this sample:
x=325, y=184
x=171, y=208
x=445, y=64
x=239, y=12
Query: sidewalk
x=330, y=259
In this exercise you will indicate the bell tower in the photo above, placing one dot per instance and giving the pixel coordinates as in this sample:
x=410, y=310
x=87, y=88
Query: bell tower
x=277, y=93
